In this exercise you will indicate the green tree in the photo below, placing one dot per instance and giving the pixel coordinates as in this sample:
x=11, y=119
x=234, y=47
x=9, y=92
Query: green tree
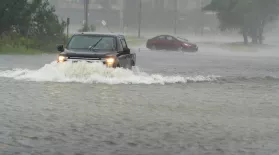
x=35, y=19
x=11, y=12
x=248, y=16
x=45, y=25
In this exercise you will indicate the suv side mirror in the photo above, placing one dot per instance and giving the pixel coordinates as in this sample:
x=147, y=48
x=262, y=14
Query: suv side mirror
x=60, y=48
x=126, y=51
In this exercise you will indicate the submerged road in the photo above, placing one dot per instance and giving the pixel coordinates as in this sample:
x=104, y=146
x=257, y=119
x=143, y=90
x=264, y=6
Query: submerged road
x=214, y=102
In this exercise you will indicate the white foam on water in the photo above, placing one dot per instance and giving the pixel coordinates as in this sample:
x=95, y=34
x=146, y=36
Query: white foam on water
x=96, y=73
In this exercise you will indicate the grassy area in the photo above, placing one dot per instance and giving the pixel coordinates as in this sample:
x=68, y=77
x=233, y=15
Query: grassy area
x=135, y=41
x=239, y=46
x=7, y=49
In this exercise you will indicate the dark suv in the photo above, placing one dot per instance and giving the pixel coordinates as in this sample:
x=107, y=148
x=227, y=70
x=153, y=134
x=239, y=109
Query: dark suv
x=110, y=49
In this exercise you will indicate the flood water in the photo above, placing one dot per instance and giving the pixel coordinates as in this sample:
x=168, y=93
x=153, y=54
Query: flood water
x=213, y=102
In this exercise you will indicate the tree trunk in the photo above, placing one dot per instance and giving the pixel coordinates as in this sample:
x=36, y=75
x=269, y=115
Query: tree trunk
x=254, y=35
x=245, y=36
x=261, y=29
x=254, y=39
x=260, y=37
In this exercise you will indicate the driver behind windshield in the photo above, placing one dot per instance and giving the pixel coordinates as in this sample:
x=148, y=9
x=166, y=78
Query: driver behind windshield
x=109, y=44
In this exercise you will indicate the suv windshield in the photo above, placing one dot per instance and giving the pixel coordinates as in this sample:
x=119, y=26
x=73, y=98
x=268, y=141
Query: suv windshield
x=87, y=41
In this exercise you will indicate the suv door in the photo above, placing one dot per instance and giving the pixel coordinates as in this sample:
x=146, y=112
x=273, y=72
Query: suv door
x=124, y=58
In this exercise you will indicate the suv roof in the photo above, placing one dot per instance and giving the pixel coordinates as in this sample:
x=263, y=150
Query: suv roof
x=98, y=33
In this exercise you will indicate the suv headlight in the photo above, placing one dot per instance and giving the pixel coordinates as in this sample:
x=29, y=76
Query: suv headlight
x=110, y=61
x=61, y=58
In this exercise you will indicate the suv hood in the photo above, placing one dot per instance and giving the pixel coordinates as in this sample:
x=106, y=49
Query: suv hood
x=87, y=54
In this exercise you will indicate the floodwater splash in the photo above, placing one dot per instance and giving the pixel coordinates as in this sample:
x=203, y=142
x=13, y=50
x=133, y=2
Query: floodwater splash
x=96, y=73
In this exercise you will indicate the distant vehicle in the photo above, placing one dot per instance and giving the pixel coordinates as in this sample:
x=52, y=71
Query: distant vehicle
x=110, y=49
x=167, y=42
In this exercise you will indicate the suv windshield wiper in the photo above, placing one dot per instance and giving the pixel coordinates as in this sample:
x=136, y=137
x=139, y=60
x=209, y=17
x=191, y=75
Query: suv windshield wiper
x=93, y=46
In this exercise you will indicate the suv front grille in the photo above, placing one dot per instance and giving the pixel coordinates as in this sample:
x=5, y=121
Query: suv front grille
x=84, y=58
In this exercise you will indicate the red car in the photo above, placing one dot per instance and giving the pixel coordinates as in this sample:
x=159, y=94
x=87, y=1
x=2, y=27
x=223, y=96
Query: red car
x=171, y=43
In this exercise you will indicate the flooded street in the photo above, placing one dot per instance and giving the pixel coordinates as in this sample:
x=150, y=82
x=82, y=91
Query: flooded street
x=213, y=102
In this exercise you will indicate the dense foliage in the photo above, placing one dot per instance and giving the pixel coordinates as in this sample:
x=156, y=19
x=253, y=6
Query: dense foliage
x=249, y=16
x=30, y=23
